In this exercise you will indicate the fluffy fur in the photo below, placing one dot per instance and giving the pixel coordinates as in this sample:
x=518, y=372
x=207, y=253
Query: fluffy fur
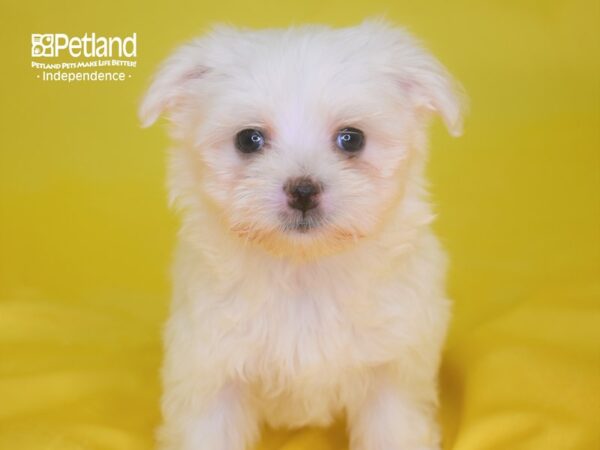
x=272, y=325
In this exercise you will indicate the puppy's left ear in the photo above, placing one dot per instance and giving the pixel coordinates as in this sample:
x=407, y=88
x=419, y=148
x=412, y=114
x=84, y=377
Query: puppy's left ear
x=173, y=81
x=426, y=83
x=431, y=88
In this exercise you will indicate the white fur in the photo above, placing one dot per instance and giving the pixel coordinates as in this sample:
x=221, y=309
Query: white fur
x=278, y=327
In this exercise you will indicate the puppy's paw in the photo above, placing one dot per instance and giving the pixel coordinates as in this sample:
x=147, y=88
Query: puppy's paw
x=384, y=446
x=206, y=434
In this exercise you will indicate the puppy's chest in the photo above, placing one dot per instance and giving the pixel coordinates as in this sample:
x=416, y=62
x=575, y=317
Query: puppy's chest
x=303, y=331
x=297, y=334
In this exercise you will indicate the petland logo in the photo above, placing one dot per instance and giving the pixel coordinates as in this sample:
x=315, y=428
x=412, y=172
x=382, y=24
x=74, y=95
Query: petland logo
x=87, y=46
x=83, y=58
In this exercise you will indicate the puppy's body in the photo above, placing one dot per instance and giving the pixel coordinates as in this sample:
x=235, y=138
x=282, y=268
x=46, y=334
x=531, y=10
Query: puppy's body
x=290, y=318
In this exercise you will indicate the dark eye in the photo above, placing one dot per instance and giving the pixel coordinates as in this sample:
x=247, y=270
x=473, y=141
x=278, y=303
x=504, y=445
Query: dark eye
x=249, y=140
x=350, y=140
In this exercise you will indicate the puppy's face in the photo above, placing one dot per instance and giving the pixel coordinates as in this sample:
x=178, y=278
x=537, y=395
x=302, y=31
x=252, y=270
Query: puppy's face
x=302, y=139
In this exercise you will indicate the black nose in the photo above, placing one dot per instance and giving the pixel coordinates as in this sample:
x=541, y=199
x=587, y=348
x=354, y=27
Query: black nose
x=302, y=193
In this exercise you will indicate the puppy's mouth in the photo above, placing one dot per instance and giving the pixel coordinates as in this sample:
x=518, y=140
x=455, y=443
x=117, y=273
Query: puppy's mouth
x=302, y=222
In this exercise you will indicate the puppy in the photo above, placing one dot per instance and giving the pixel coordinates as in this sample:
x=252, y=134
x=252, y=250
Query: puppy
x=307, y=281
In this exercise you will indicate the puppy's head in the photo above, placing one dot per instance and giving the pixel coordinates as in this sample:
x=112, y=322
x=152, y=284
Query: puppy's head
x=301, y=140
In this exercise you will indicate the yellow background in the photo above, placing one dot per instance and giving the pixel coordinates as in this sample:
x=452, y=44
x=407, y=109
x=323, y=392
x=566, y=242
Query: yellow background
x=85, y=235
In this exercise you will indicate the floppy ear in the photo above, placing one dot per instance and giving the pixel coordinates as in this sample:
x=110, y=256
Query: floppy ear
x=424, y=80
x=432, y=89
x=170, y=84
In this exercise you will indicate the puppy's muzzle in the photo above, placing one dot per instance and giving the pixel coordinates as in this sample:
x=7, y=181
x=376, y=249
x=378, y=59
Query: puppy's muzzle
x=303, y=193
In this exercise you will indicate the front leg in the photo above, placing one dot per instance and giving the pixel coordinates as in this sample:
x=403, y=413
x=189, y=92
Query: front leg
x=223, y=421
x=394, y=414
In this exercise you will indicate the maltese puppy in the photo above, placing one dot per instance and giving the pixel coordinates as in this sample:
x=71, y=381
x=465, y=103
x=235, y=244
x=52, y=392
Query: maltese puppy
x=307, y=282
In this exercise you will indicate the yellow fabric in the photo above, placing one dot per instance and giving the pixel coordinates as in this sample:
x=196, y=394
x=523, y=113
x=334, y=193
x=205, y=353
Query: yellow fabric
x=85, y=236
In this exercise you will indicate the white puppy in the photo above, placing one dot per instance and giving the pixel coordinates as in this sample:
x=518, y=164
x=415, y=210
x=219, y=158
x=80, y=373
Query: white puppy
x=308, y=283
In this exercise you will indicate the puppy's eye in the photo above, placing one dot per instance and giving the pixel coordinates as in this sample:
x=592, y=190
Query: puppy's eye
x=350, y=140
x=249, y=140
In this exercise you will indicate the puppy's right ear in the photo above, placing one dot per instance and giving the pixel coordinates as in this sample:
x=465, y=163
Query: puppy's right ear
x=172, y=81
